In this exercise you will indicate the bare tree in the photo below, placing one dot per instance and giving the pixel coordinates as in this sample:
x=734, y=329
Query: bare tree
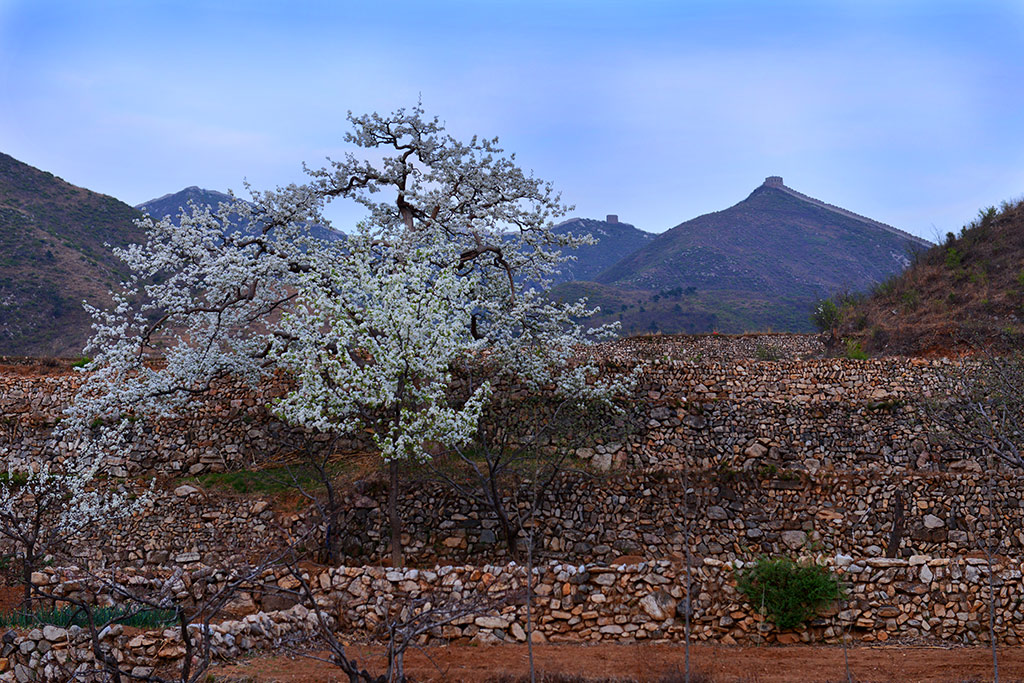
x=694, y=500
x=525, y=444
x=984, y=414
x=983, y=419
x=405, y=623
x=193, y=616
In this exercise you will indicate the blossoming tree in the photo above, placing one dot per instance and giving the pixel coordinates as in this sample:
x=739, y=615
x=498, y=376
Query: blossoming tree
x=452, y=260
x=45, y=505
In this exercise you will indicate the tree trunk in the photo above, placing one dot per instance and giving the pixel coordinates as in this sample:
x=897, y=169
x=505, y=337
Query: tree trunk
x=511, y=537
x=393, y=519
x=529, y=606
x=896, y=535
x=27, y=567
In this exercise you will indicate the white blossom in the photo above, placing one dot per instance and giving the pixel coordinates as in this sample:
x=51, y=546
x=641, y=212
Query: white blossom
x=451, y=262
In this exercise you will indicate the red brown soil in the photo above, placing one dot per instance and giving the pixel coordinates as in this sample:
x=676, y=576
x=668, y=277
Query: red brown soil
x=10, y=598
x=652, y=662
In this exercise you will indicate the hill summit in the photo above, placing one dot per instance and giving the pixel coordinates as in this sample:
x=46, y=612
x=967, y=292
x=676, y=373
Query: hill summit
x=760, y=264
x=615, y=240
x=171, y=206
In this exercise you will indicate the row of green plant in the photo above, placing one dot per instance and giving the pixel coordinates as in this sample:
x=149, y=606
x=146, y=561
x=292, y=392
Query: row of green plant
x=74, y=616
x=271, y=480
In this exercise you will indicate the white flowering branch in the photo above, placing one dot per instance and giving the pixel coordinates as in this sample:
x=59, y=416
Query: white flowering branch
x=453, y=260
x=45, y=506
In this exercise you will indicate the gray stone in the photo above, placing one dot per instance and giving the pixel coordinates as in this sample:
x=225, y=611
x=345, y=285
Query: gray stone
x=54, y=634
x=794, y=540
x=886, y=562
x=602, y=461
x=695, y=421
x=491, y=622
x=717, y=512
x=658, y=605
x=933, y=522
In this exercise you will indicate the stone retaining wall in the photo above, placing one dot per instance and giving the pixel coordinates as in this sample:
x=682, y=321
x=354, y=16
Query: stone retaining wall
x=840, y=413
x=942, y=599
x=733, y=515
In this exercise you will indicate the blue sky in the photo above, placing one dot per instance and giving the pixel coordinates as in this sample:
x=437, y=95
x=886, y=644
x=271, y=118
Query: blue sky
x=911, y=113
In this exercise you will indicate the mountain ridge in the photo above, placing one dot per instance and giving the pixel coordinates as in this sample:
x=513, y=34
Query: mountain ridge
x=615, y=240
x=759, y=264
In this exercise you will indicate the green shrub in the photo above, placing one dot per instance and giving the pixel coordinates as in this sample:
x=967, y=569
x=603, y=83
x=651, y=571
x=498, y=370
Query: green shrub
x=887, y=286
x=81, y=362
x=826, y=315
x=953, y=258
x=789, y=592
x=13, y=479
x=854, y=351
x=911, y=298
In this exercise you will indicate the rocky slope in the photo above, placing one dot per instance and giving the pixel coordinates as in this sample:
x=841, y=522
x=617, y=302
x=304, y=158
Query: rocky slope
x=968, y=290
x=53, y=255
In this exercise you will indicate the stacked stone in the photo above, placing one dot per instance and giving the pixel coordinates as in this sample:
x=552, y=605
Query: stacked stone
x=945, y=599
x=57, y=654
x=823, y=412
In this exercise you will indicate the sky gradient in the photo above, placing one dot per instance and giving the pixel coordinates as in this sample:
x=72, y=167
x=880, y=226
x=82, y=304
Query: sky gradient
x=911, y=113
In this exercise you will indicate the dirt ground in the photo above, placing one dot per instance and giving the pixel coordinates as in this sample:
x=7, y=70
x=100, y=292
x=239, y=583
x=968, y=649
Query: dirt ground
x=651, y=663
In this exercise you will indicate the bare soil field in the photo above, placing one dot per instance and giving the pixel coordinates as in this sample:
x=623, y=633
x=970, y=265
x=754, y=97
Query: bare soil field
x=653, y=663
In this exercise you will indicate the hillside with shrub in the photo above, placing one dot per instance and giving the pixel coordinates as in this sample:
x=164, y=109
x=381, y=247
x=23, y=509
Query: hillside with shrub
x=967, y=290
x=53, y=255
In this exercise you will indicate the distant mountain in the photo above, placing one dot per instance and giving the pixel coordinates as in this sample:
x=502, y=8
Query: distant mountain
x=614, y=241
x=969, y=289
x=52, y=257
x=758, y=265
x=172, y=205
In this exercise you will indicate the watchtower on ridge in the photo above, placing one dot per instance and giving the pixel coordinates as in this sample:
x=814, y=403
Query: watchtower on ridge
x=773, y=181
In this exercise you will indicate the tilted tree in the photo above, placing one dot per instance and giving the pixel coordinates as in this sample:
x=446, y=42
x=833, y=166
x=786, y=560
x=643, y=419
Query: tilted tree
x=452, y=259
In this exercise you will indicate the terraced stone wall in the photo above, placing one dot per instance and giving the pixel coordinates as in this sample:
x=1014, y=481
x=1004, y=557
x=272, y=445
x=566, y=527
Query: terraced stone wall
x=730, y=516
x=695, y=413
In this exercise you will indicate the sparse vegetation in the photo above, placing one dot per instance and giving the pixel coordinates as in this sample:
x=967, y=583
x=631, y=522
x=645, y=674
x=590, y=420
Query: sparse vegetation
x=854, y=351
x=969, y=287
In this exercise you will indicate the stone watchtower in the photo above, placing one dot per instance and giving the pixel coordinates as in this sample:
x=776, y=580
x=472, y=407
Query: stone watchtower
x=773, y=181
x=612, y=218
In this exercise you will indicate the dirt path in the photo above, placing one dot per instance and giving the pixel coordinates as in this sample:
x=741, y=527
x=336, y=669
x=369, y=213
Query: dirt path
x=649, y=663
